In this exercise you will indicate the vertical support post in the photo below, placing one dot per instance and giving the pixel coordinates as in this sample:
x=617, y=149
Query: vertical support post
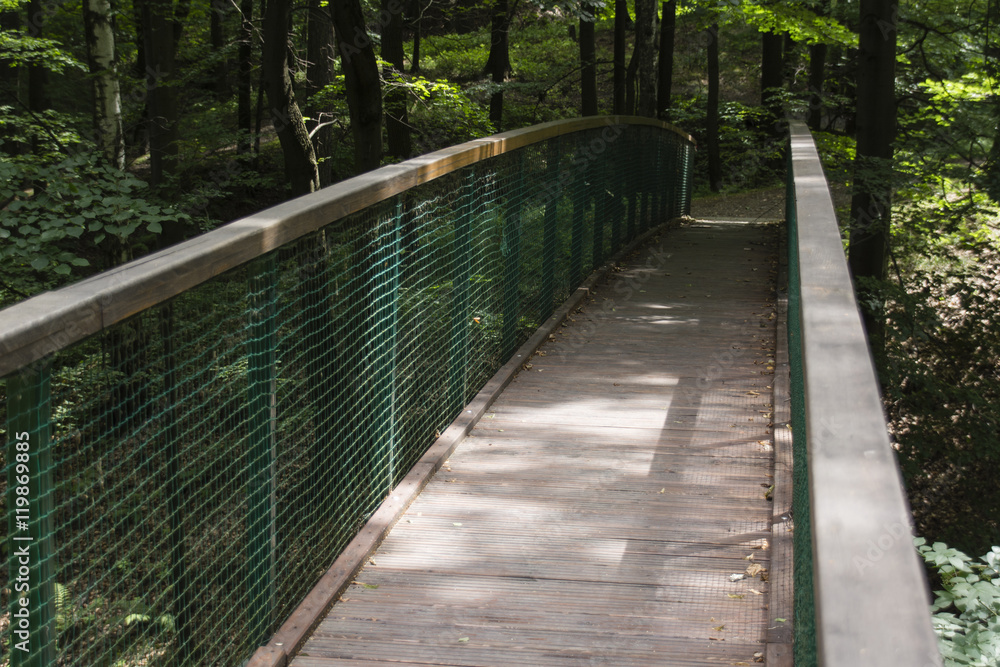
x=632, y=185
x=616, y=163
x=177, y=497
x=550, y=239
x=460, y=315
x=657, y=182
x=648, y=168
x=599, y=174
x=676, y=183
x=511, y=248
x=686, y=178
x=262, y=445
x=30, y=508
x=386, y=305
x=579, y=213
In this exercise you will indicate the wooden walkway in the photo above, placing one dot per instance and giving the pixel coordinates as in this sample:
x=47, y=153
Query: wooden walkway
x=600, y=512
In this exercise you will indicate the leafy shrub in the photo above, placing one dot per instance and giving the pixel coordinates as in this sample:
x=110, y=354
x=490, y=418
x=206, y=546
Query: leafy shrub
x=967, y=610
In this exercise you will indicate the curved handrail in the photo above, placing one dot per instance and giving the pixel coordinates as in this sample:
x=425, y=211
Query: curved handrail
x=871, y=594
x=32, y=329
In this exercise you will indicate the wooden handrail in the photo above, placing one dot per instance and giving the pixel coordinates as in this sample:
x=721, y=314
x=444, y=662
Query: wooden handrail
x=39, y=326
x=871, y=593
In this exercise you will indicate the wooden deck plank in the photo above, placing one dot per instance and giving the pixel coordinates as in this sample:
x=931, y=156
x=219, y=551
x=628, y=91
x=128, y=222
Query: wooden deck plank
x=597, y=513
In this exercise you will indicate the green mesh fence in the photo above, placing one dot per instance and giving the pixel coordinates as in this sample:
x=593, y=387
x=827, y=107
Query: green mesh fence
x=177, y=483
x=805, y=610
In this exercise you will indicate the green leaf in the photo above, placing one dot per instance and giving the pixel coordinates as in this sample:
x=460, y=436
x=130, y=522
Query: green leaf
x=39, y=263
x=154, y=227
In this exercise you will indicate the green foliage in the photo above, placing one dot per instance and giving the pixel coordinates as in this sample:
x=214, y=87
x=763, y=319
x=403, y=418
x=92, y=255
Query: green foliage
x=941, y=382
x=441, y=112
x=967, y=610
x=752, y=155
x=456, y=57
x=20, y=50
x=801, y=23
x=62, y=216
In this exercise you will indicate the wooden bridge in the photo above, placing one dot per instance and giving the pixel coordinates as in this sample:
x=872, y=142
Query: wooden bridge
x=621, y=488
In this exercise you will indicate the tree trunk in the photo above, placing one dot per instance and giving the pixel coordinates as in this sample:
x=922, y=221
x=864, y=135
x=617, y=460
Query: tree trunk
x=712, y=116
x=319, y=73
x=876, y=129
x=37, y=74
x=667, y=30
x=361, y=78
x=771, y=65
x=630, y=77
x=107, y=96
x=181, y=11
x=817, y=67
x=415, y=24
x=621, y=20
x=161, y=106
x=218, y=39
x=244, y=112
x=300, y=160
x=644, y=56
x=397, y=122
x=498, y=63
x=588, y=62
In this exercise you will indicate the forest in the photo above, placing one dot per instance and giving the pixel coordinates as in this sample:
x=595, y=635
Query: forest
x=128, y=127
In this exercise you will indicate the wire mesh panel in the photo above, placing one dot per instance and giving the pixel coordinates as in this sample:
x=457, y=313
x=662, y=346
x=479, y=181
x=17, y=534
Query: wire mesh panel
x=177, y=482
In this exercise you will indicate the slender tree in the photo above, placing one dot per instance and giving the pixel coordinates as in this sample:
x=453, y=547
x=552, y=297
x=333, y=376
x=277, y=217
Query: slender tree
x=666, y=65
x=244, y=87
x=876, y=129
x=621, y=21
x=712, y=116
x=817, y=73
x=416, y=11
x=158, y=31
x=498, y=62
x=217, y=37
x=361, y=79
x=644, y=56
x=588, y=59
x=100, y=39
x=320, y=50
x=37, y=74
x=771, y=78
x=300, y=160
x=397, y=122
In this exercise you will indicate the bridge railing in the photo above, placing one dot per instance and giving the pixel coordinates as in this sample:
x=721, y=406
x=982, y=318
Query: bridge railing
x=861, y=595
x=193, y=437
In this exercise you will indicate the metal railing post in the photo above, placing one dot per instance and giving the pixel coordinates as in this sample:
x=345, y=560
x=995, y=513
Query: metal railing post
x=579, y=199
x=30, y=506
x=460, y=315
x=386, y=315
x=550, y=239
x=262, y=444
x=512, y=257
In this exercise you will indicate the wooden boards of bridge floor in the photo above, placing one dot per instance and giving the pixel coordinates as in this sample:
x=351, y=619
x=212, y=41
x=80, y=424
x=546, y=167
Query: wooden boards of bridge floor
x=598, y=513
